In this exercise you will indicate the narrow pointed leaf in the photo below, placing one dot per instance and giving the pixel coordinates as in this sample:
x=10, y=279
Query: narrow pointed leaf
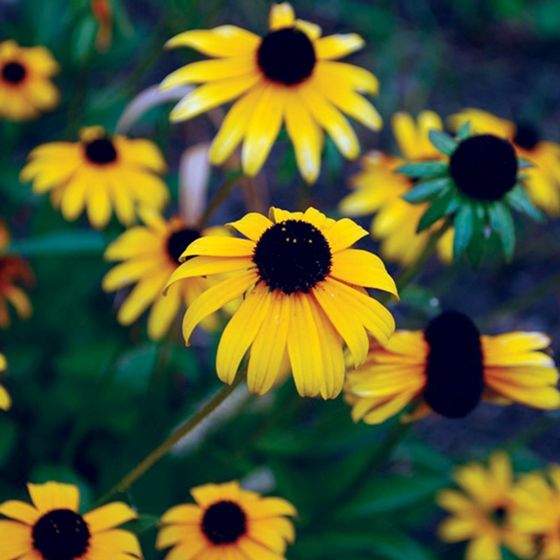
x=424, y=169
x=502, y=224
x=464, y=229
x=426, y=190
x=438, y=209
x=519, y=200
x=442, y=141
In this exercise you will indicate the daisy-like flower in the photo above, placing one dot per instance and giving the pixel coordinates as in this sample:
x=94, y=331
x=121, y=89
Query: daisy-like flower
x=538, y=512
x=151, y=254
x=543, y=179
x=379, y=188
x=101, y=173
x=477, y=188
x=5, y=400
x=449, y=368
x=305, y=298
x=14, y=273
x=290, y=75
x=228, y=522
x=482, y=511
x=52, y=528
x=26, y=89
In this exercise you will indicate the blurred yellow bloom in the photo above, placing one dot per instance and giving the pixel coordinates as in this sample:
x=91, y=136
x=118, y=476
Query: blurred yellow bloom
x=228, y=522
x=378, y=189
x=304, y=298
x=53, y=528
x=101, y=173
x=5, y=400
x=291, y=75
x=482, y=511
x=449, y=368
x=26, y=89
x=543, y=180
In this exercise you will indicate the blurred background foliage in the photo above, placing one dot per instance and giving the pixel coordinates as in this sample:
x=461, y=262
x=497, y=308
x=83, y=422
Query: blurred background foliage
x=91, y=398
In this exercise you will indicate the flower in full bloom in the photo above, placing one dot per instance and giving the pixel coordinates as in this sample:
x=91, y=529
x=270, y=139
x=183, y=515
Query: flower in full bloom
x=101, y=173
x=305, y=298
x=292, y=75
x=449, y=368
x=5, y=400
x=52, y=527
x=228, y=522
x=26, y=89
x=482, y=511
x=542, y=180
x=379, y=188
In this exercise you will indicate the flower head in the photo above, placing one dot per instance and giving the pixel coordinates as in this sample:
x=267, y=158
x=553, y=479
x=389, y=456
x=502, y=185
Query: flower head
x=304, y=298
x=477, y=187
x=52, y=527
x=291, y=75
x=26, y=89
x=449, y=368
x=482, y=511
x=5, y=400
x=228, y=522
x=101, y=173
x=379, y=188
x=542, y=180
x=151, y=254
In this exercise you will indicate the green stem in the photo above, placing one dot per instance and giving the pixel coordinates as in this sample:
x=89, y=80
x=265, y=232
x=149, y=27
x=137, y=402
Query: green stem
x=165, y=446
x=221, y=195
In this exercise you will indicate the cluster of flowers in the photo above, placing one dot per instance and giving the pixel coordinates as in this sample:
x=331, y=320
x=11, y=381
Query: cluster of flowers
x=298, y=285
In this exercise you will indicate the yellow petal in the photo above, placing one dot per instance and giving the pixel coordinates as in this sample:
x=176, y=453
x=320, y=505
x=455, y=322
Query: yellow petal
x=343, y=234
x=16, y=540
x=338, y=46
x=252, y=225
x=350, y=76
x=20, y=511
x=220, y=246
x=281, y=15
x=141, y=297
x=109, y=516
x=456, y=529
x=54, y=495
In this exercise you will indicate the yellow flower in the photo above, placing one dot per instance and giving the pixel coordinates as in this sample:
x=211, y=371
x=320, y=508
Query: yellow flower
x=5, y=400
x=449, y=368
x=379, y=188
x=13, y=271
x=53, y=529
x=290, y=75
x=228, y=522
x=543, y=179
x=304, y=298
x=538, y=513
x=26, y=89
x=151, y=254
x=482, y=511
x=101, y=173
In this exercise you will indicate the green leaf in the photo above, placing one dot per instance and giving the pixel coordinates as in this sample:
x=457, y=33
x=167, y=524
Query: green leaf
x=464, y=131
x=475, y=250
x=519, y=200
x=440, y=207
x=79, y=242
x=442, y=141
x=425, y=190
x=424, y=169
x=502, y=224
x=524, y=163
x=464, y=229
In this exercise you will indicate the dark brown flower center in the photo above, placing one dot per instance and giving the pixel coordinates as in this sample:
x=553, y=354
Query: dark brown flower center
x=61, y=534
x=13, y=72
x=526, y=136
x=101, y=151
x=224, y=522
x=484, y=167
x=454, y=368
x=499, y=515
x=286, y=56
x=179, y=240
x=292, y=256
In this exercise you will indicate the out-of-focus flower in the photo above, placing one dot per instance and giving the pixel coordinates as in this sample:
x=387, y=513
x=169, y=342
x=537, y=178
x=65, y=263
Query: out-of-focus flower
x=103, y=12
x=290, y=75
x=5, y=400
x=101, y=173
x=52, y=527
x=449, y=368
x=379, y=188
x=304, y=298
x=26, y=89
x=228, y=522
x=482, y=511
x=543, y=179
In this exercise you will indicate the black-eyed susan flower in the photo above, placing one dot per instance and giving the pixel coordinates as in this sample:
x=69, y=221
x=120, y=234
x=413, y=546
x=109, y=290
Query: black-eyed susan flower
x=52, y=528
x=228, y=522
x=26, y=89
x=14, y=273
x=543, y=178
x=537, y=496
x=5, y=400
x=101, y=173
x=151, y=254
x=305, y=298
x=482, y=511
x=449, y=368
x=477, y=188
x=378, y=188
x=292, y=75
